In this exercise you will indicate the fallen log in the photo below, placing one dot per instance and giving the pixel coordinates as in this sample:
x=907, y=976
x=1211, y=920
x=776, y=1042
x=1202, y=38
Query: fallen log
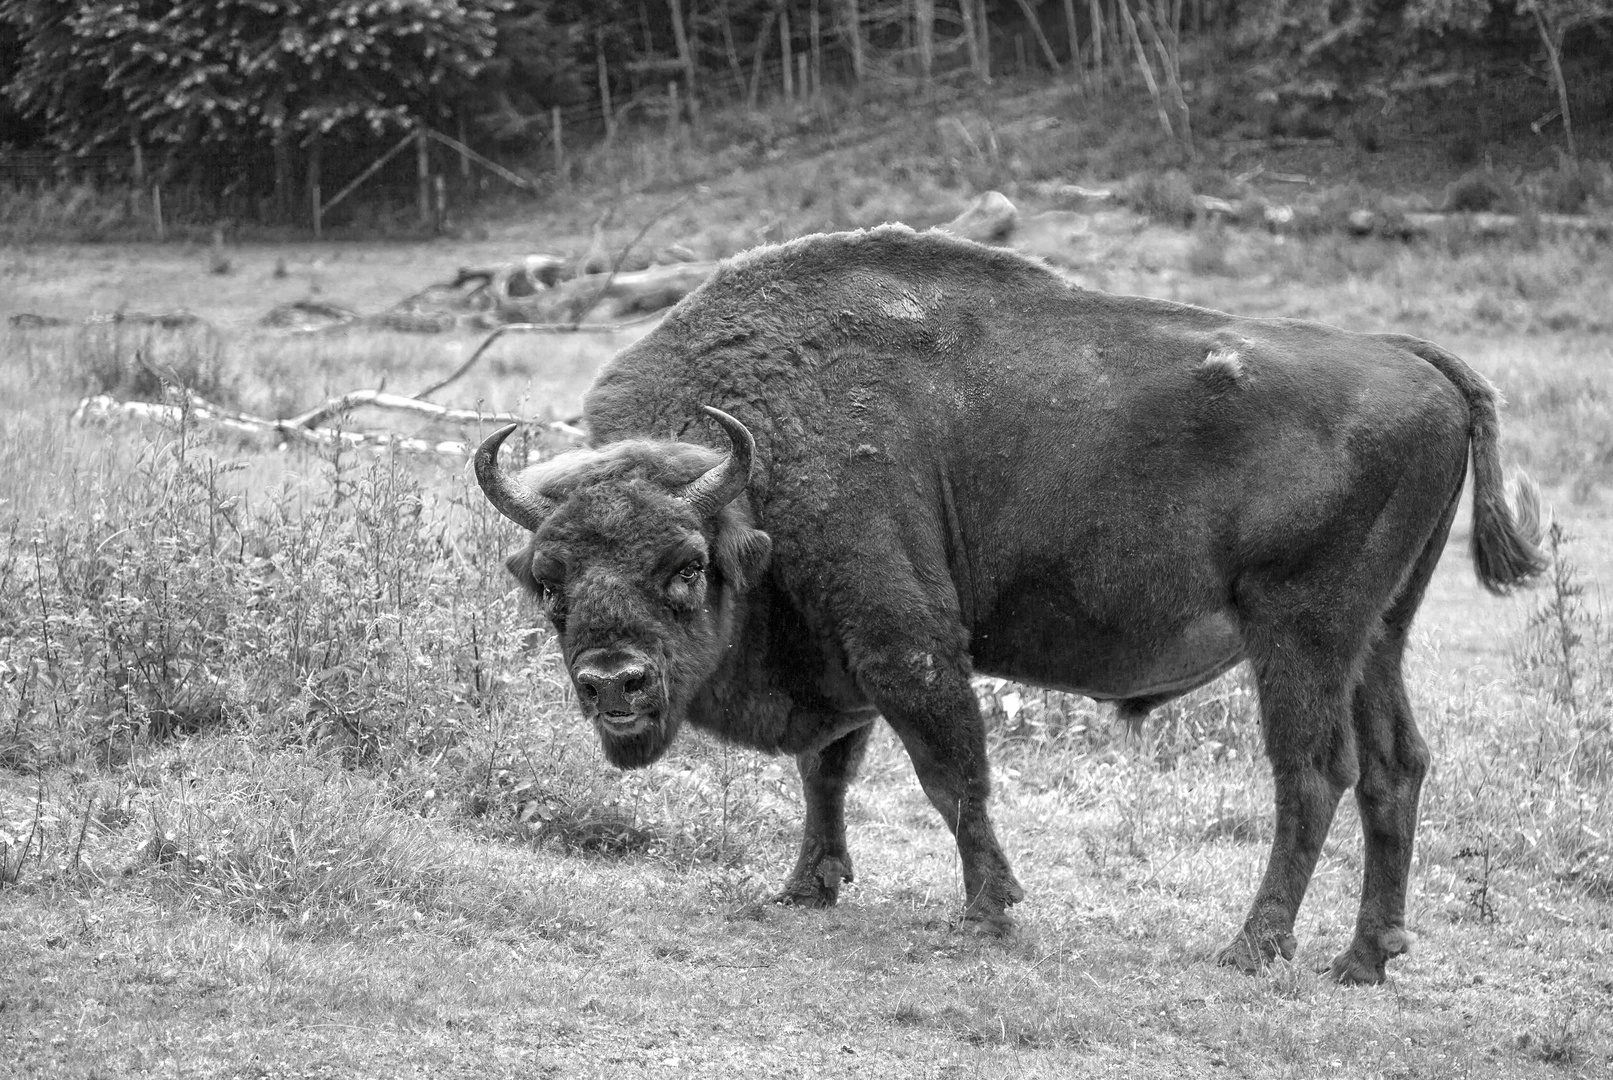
x=990, y=219
x=378, y=399
x=608, y=296
x=1488, y=224
x=103, y=408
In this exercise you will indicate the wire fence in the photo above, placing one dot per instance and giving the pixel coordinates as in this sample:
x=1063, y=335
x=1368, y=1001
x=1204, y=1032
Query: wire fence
x=246, y=185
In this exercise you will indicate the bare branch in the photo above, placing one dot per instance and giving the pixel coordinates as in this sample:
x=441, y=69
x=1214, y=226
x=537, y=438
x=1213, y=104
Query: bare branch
x=622, y=257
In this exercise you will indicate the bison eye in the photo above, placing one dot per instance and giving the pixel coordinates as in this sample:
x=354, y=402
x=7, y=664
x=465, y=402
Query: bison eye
x=554, y=600
x=691, y=572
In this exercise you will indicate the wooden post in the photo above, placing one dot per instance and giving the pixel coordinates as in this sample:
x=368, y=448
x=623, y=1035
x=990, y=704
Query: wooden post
x=464, y=141
x=803, y=86
x=422, y=176
x=673, y=115
x=1019, y=52
x=156, y=210
x=139, y=163
x=439, y=188
x=604, y=86
x=784, y=44
x=559, y=136
x=313, y=184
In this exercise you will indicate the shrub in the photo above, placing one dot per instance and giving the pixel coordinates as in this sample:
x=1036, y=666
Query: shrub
x=1167, y=195
x=1479, y=191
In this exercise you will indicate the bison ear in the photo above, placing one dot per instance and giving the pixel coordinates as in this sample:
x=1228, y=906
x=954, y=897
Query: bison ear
x=741, y=552
x=520, y=565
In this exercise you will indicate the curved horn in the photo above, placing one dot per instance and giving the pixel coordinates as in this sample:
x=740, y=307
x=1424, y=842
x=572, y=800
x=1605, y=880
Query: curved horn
x=718, y=486
x=496, y=486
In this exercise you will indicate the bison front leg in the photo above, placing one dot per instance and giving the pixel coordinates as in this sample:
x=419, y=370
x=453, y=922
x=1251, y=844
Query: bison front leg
x=824, y=862
x=939, y=722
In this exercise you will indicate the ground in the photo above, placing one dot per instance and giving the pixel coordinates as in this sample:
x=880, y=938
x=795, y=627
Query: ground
x=392, y=851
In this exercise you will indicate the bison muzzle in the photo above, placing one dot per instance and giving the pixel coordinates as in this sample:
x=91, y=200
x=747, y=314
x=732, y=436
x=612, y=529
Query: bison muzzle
x=852, y=471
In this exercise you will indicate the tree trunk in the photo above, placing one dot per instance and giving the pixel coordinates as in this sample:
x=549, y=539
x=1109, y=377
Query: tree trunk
x=1072, y=41
x=604, y=86
x=853, y=29
x=1554, y=42
x=1041, y=38
x=1097, y=39
x=784, y=48
x=1147, y=69
x=1170, y=61
x=685, y=56
x=757, y=55
x=817, y=52
x=966, y=9
x=924, y=32
x=984, y=25
x=728, y=46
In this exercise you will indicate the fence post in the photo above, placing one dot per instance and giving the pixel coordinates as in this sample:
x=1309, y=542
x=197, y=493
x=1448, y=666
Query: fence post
x=156, y=210
x=422, y=175
x=313, y=184
x=559, y=142
x=672, y=114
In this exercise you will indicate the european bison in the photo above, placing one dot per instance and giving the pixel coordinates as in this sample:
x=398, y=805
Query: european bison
x=940, y=459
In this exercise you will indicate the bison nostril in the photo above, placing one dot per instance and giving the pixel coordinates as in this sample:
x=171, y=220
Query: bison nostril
x=633, y=684
x=588, y=689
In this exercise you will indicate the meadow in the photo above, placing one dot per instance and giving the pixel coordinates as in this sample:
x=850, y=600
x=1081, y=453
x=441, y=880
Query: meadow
x=292, y=783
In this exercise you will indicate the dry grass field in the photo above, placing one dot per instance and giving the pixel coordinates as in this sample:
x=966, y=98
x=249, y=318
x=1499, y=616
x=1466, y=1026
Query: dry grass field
x=288, y=788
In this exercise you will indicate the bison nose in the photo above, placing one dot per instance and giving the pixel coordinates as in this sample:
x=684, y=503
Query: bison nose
x=612, y=692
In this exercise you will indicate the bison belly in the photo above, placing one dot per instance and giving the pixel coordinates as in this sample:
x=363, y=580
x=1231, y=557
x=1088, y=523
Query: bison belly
x=1034, y=643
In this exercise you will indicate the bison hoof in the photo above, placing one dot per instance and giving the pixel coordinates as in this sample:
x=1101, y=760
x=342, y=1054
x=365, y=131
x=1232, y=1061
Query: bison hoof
x=1362, y=964
x=996, y=925
x=988, y=911
x=815, y=888
x=1251, y=951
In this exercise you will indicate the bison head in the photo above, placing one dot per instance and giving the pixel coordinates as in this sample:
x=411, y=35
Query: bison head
x=640, y=552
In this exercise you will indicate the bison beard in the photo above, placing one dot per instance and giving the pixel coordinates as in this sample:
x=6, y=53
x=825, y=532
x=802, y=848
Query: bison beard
x=637, y=750
x=941, y=459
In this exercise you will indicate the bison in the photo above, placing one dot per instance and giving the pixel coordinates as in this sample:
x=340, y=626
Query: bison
x=853, y=470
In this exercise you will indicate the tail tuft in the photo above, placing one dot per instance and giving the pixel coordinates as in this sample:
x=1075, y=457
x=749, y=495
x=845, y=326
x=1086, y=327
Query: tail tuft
x=1506, y=543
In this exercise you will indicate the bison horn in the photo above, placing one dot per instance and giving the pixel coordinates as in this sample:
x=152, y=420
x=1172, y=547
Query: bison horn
x=717, y=487
x=496, y=486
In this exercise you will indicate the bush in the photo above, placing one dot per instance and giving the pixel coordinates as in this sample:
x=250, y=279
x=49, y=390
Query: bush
x=1167, y=196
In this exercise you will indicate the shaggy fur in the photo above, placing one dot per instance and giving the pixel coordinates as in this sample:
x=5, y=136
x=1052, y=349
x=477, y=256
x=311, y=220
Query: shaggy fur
x=964, y=463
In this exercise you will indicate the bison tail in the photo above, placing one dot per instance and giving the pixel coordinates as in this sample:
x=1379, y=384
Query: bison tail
x=1506, y=544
